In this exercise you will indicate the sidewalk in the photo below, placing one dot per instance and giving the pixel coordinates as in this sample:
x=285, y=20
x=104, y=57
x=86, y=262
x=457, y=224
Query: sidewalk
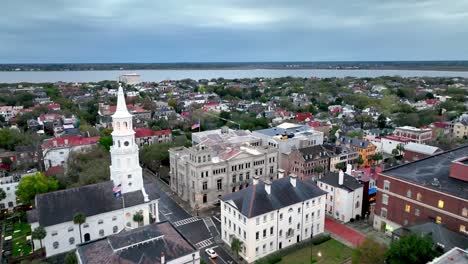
x=343, y=232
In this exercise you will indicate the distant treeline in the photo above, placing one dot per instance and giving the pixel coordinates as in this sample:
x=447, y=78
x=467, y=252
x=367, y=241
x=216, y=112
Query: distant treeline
x=397, y=65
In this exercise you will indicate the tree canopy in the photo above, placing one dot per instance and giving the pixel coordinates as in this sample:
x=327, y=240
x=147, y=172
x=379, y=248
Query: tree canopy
x=31, y=185
x=412, y=249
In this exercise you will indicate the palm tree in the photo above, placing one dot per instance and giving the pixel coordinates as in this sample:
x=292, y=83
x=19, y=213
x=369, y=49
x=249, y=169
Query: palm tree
x=236, y=245
x=39, y=233
x=138, y=217
x=79, y=219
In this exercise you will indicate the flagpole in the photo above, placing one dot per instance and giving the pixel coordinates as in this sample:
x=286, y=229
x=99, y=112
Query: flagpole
x=199, y=124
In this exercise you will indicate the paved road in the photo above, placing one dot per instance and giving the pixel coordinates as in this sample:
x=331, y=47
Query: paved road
x=200, y=231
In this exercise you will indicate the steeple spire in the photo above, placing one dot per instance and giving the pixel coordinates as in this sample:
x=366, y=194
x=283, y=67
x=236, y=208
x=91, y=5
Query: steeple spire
x=121, y=109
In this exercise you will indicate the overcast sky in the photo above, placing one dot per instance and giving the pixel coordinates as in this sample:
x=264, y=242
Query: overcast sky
x=232, y=30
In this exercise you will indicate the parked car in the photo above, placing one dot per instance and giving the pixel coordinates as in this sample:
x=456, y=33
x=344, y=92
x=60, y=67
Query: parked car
x=211, y=253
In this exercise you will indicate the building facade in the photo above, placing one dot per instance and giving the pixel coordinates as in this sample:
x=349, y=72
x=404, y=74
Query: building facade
x=287, y=136
x=266, y=221
x=108, y=207
x=417, y=135
x=460, y=129
x=431, y=189
x=55, y=152
x=344, y=196
x=307, y=163
x=364, y=148
x=203, y=173
x=146, y=136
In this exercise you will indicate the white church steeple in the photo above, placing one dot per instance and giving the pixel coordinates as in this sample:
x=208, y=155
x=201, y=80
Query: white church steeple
x=125, y=167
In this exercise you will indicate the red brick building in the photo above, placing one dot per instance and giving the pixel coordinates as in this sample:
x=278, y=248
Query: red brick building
x=415, y=151
x=431, y=189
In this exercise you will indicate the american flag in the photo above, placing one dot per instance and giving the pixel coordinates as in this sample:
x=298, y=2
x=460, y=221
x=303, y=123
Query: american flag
x=196, y=125
x=117, y=190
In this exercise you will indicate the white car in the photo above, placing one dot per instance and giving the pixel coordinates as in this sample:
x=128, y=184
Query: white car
x=211, y=253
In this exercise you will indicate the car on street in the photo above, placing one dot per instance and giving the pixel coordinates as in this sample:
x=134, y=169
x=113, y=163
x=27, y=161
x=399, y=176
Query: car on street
x=211, y=253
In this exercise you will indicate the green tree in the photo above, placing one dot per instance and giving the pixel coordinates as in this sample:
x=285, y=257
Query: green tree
x=369, y=252
x=91, y=166
x=31, y=185
x=412, y=249
x=138, y=217
x=39, y=233
x=360, y=160
x=236, y=245
x=340, y=166
x=79, y=219
x=2, y=194
x=382, y=121
x=376, y=157
x=319, y=169
x=105, y=142
x=70, y=258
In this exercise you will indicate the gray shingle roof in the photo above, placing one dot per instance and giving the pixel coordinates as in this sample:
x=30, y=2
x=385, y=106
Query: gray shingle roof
x=254, y=200
x=172, y=244
x=60, y=206
x=355, y=142
x=349, y=182
x=439, y=233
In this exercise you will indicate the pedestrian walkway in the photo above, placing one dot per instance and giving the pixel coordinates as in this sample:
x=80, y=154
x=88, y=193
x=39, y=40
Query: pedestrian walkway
x=186, y=221
x=205, y=243
x=344, y=232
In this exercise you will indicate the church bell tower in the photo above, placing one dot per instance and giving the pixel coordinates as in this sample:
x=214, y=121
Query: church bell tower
x=125, y=167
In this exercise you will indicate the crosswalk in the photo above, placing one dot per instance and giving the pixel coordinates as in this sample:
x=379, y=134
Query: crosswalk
x=186, y=221
x=204, y=243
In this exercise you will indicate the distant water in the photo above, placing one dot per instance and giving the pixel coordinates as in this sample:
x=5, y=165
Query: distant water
x=160, y=75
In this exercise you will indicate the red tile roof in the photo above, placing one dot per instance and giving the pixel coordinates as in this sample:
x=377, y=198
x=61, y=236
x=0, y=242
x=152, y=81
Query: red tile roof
x=147, y=132
x=401, y=139
x=303, y=116
x=49, y=117
x=71, y=141
x=53, y=106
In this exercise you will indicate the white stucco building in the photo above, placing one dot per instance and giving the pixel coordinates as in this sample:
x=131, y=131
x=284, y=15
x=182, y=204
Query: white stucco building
x=109, y=206
x=55, y=152
x=266, y=220
x=289, y=135
x=344, y=195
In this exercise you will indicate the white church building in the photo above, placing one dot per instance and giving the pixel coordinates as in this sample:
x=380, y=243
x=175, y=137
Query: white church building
x=109, y=206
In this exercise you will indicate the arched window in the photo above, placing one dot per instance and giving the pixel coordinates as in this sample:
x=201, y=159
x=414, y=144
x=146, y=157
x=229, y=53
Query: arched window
x=55, y=244
x=118, y=125
x=125, y=124
x=71, y=240
x=118, y=142
x=115, y=229
x=290, y=219
x=418, y=196
x=101, y=232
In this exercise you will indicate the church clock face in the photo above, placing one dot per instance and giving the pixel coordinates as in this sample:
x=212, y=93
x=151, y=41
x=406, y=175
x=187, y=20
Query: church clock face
x=126, y=143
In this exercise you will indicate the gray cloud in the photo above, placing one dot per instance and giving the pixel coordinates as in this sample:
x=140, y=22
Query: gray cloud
x=53, y=29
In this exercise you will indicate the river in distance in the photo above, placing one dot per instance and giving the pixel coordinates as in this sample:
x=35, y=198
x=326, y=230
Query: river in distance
x=160, y=75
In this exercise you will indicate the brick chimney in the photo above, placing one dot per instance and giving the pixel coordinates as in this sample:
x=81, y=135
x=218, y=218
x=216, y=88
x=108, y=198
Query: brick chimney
x=268, y=186
x=280, y=173
x=255, y=180
x=293, y=178
x=459, y=169
x=340, y=177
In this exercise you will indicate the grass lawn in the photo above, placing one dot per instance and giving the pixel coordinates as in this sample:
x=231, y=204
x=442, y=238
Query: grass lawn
x=24, y=228
x=333, y=252
x=21, y=247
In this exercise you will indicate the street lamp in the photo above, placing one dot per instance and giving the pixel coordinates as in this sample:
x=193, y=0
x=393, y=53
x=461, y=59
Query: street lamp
x=311, y=242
